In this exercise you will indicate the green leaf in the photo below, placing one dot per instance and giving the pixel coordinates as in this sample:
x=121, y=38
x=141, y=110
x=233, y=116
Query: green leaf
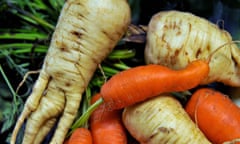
x=56, y=4
x=9, y=120
x=122, y=54
x=24, y=46
x=23, y=36
x=85, y=116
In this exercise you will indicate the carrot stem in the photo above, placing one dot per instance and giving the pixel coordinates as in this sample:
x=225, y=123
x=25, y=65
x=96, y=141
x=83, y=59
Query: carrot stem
x=121, y=66
x=85, y=116
x=122, y=54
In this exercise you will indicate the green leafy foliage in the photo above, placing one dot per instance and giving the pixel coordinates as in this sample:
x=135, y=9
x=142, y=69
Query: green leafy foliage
x=25, y=31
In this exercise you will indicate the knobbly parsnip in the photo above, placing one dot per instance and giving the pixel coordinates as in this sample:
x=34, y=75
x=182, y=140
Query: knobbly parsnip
x=86, y=32
x=161, y=120
x=176, y=38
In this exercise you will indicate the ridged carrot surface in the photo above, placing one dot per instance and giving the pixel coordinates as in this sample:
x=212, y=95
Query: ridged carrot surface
x=215, y=114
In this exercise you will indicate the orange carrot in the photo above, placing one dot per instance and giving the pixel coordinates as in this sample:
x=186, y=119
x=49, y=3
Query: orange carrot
x=80, y=136
x=107, y=126
x=139, y=83
x=215, y=114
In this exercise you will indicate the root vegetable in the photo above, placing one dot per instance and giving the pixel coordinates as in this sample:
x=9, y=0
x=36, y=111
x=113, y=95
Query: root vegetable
x=161, y=120
x=176, y=38
x=80, y=136
x=215, y=114
x=106, y=126
x=140, y=83
x=86, y=32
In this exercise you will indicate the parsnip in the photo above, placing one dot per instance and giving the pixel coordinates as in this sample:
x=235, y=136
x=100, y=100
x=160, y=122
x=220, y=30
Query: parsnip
x=161, y=120
x=86, y=32
x=176, y=38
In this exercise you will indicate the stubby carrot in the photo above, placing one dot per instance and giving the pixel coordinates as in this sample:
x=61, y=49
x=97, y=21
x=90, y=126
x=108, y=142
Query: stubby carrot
x=215, y=114
x=139, y=83
x=81, y=136
x=106, y=126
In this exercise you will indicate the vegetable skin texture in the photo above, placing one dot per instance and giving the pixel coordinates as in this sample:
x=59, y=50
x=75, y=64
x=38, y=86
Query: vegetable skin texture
x=161, y=120
x=80, y=136
x=175, y=38
x=86, y=32
x=215, y=114
x=106, y=126
x=142, y=82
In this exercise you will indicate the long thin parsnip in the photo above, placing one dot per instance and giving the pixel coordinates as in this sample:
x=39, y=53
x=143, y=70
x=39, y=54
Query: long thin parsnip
x=86, y=32
x=176, y=38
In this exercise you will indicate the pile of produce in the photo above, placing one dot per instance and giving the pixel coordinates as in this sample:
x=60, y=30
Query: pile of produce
x=94, y=88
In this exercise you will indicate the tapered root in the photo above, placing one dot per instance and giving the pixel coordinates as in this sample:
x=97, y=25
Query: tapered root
x=65, y=122
x=48, y=108
x=31, y=103
x=45, y=129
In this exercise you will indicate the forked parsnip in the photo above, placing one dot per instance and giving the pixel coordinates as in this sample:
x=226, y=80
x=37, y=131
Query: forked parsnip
x=86, y=32
x=161, y=120
x=176, y=38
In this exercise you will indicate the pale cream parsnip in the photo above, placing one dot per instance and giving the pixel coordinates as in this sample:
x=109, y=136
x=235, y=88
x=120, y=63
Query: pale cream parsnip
x=162, y=120
x=176, y=38
x=86, y=32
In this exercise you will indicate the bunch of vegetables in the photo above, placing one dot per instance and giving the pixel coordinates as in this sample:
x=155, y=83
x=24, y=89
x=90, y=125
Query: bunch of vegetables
x=162, y=119
x=180, y=56
x=153, y=118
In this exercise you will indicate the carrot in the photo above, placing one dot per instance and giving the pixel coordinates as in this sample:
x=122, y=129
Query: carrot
x=142, y=82
x=215, y=114
x=176, y=38
x=81, y=136
x=106, y=126
x=161, y=120
x=86, y=32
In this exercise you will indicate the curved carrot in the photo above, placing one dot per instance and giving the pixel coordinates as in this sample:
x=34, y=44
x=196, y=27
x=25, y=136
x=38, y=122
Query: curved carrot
x=215, y=114
x=80, y=136
x=106, y=126
x=139, y=83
